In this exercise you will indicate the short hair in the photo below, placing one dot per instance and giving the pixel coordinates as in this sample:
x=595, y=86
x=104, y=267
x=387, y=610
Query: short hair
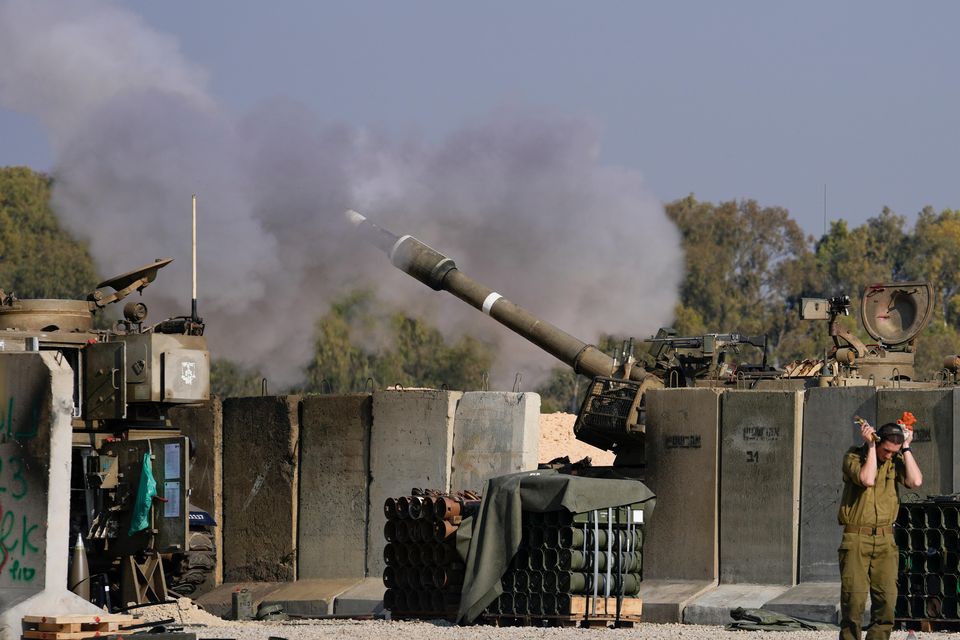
x=891, y=432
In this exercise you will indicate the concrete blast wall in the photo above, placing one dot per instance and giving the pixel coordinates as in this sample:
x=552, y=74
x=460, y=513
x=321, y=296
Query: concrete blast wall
x=260, y=475
x=682, y=453
x=36, y=392
x=334, y=470
x=760, y=486
x=411, y=445
x=935, y=442
x=494, y=433
x=828, y=431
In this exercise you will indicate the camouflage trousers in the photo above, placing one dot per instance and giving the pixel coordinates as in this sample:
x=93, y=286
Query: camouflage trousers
x=868, y=564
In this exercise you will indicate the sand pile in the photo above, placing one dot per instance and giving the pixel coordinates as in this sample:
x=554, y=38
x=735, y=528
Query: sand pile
x=183, y=611
x=557, y=439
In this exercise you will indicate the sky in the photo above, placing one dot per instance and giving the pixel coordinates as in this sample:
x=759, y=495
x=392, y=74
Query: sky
x=534, y=142
x=773, y=101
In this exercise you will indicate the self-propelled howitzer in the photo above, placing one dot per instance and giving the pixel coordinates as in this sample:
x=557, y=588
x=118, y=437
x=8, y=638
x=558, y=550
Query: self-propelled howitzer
x=611, y=414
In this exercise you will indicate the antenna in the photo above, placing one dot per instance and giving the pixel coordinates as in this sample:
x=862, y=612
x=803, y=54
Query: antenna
x=193, y=302
x=824, y=208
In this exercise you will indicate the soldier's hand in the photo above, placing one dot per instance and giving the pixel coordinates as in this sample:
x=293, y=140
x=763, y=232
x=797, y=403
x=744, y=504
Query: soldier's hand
x=866, y=432
x=907, y=437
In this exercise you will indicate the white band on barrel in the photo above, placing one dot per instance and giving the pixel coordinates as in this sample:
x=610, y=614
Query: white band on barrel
x=397, y=244
x=489, y=302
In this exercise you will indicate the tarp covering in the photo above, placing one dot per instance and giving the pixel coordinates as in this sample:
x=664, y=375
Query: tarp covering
x=494, y=535
x=763, y=620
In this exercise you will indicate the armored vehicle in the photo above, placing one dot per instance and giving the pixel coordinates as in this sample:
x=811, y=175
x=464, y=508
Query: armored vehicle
x=126, y=380
x=611, y=416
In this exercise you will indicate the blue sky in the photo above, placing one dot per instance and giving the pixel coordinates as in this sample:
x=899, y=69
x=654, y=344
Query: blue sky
x=533, y=141
x=727, y=100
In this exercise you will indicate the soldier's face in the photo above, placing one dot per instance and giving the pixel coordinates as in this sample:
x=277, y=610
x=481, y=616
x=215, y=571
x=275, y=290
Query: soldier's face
x=886, y=450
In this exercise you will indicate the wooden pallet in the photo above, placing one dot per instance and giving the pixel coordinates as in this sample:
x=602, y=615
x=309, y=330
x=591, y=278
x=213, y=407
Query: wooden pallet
x=568, y=621
x=579, y=615
x=606, y=607
x=75, y=627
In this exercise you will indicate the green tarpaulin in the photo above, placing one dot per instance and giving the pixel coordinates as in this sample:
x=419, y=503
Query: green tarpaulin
x=490, y=541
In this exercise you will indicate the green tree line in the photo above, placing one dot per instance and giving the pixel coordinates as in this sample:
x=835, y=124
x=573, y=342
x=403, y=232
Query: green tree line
x=746, y=268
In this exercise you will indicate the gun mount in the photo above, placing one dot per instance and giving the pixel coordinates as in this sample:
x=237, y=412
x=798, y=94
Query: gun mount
x=893, y=314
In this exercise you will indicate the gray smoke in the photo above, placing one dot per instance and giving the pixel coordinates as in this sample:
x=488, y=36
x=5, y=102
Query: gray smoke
x=518, y=198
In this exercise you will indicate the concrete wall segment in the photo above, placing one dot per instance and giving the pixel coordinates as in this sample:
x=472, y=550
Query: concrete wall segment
x=935, y=436
x=828, y=431
x=411, y=445
x=760, y=486
x=260, y=476
x=494, y=433
x=36, y=400
x=682, y=469
x=334, y=495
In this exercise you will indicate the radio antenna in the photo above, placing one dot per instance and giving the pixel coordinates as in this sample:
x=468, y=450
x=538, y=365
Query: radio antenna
x=824, y=208
x=193, y=302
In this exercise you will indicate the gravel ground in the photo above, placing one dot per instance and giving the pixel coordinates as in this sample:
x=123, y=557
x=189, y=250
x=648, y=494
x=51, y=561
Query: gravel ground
x=381, y=630
x=208, y=626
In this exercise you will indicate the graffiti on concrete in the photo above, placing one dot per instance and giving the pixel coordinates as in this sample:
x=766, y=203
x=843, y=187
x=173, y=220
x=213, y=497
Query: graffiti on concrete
x=23, y=429
x=22, y=522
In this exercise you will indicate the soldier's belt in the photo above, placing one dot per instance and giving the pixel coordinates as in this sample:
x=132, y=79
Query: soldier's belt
x=869, y=531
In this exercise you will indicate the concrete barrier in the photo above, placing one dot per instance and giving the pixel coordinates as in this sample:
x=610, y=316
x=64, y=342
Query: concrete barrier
x=334, y=470
x=935, y=444
x=494, y=433
x=681, y=547
x=260, y=470
x=36, y=400
x=759, y=502
x=760, y=486
x=828, y=432
x=411, y=445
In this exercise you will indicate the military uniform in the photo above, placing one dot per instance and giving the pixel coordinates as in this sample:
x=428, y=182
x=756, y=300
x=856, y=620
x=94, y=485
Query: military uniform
x=868, y=553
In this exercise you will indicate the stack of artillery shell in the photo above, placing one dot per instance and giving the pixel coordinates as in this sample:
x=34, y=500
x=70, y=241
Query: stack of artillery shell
x=566, y=558
x=928, y=535
x=424, y=573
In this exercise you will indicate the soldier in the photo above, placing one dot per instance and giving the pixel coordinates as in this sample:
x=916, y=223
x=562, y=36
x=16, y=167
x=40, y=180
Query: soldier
x=868, y=553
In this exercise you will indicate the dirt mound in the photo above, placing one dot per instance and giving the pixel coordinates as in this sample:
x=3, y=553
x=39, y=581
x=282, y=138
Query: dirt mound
x=557, y=439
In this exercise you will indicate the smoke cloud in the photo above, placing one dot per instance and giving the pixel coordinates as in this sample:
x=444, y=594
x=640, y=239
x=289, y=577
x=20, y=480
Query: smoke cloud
x=517, y=198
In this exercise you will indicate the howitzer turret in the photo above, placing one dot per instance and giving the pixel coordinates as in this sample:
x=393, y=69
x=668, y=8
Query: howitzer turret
x=611, y=414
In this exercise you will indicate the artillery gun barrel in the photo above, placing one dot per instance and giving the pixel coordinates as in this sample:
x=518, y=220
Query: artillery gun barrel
x=440, y=273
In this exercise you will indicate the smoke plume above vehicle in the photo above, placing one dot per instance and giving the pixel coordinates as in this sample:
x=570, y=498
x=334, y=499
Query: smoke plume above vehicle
x=518, y=198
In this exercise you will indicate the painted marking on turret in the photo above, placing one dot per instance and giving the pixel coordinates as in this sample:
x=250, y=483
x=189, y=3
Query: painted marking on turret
x=188, y=372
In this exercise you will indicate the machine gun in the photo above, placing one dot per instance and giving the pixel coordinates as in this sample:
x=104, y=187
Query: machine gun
x=682, y=360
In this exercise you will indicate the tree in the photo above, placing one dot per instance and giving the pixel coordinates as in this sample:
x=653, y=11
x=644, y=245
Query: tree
x=746, y=268
x=358, y=347
x=38, y=258
x=230, y=380
x=934, y=255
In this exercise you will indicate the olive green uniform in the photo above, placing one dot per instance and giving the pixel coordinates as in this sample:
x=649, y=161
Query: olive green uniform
x=868, y=553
